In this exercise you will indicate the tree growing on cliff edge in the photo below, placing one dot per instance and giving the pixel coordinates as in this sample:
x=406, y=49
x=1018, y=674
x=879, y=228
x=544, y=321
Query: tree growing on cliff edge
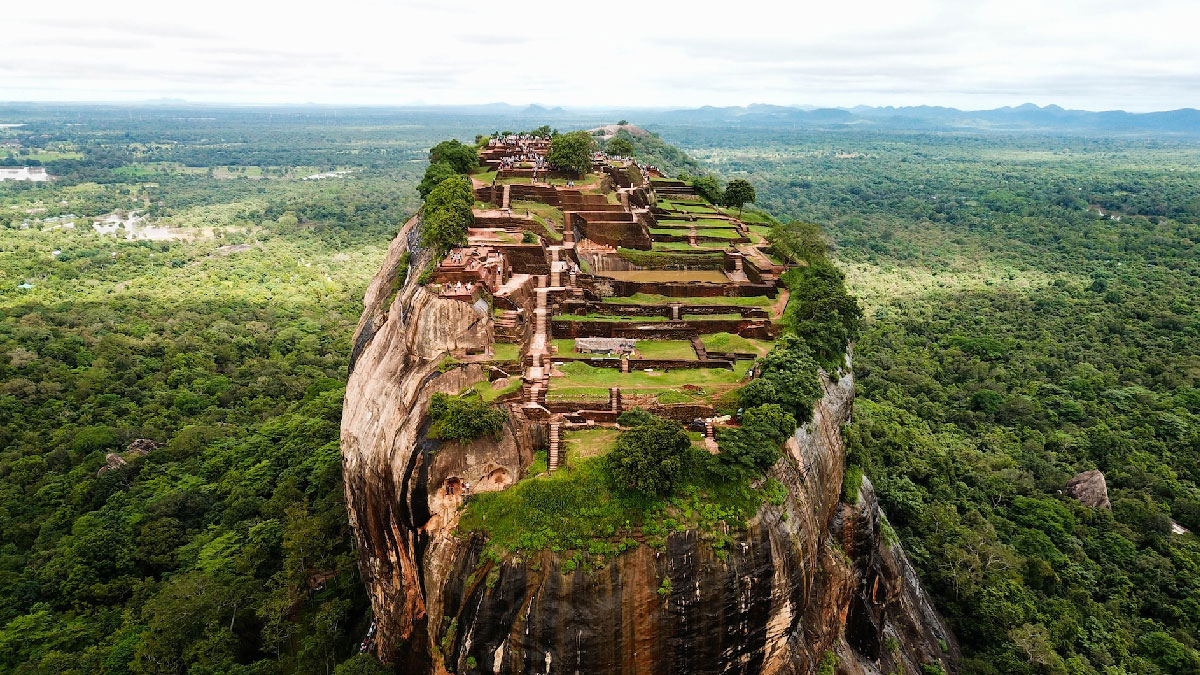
x=463, y=420
x=649, y=458
x=448, y=213
x=709, y=188
x=572, y=152
x=434, y=175
x=462, y=157
x=739, y=193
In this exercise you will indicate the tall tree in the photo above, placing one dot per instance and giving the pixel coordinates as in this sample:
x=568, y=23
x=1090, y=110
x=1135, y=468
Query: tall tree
x=738, y=193
x=619, y=147
x=462, y=157
x=573, y=152
x=649, y=458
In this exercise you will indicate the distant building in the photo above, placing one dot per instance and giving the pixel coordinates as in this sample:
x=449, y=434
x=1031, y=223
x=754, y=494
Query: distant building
x=36, y=174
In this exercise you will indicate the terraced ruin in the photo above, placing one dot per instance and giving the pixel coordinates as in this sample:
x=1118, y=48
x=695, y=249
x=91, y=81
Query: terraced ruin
x=586, y=429
x=619, y=289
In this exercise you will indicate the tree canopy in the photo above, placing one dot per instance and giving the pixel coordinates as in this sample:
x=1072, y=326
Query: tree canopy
x=738, y=193
x=462, y=157
x=619, y=147
x=435, y=174
x=462, y=420
x=573, y=152
x=650, y=457
x=448, y=213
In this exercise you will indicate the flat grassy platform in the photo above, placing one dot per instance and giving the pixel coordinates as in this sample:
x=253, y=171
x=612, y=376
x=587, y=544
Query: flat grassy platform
x=653, y=299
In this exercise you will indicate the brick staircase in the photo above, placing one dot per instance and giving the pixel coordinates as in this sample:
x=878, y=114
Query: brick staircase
x=555, y=443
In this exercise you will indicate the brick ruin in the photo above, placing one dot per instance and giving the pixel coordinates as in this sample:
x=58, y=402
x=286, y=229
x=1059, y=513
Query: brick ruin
x=548, y=261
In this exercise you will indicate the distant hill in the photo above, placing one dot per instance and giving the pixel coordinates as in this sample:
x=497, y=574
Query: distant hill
x=1028, y=117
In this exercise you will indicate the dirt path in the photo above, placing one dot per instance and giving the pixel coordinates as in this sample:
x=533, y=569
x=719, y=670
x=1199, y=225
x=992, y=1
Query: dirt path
x=780, y=304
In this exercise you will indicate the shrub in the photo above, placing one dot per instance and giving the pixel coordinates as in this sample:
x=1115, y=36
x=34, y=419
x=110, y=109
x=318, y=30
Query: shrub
x=634, y=418
x=709, y=188
x=463, y=420
x=851, y=482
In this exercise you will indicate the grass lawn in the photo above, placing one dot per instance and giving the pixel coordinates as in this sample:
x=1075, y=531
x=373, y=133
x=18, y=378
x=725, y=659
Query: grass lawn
x=46, y=156
x=607, y=317
x=701, y=222
x=684, y=246
x=586, y=443
x=755, y=216
x=719, y=233
x=506, y=351
x=581, y=379
x=651, y=299
x=712, y=317
x=666, y=349
x=728, y=342
x=488, y=392
x=484, y=175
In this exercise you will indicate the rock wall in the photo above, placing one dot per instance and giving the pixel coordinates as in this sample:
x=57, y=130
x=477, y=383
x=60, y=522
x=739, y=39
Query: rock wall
x=808, y=578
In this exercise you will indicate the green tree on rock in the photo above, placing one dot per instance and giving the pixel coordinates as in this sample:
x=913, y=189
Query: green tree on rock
x=462, y=157
x=434, y=175
x=572, y=152
x=738, y=193
x=649, y=458
x=619, y=147
x=448, y=214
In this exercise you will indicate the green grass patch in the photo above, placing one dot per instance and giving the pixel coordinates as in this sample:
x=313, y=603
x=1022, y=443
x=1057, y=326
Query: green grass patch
x=576, y=511
x=490, y=393
x=666, y=349
x=664, y=259
x=684, y=246
x=581, y=379
x=607, y=317
x=506, y=351
x=653, y=299
x=700, y=222
x=728, y=342
x=586, y=443
x=718, y=233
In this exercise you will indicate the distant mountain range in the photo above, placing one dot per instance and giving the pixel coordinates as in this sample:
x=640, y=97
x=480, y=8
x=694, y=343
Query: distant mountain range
x=1027, y=117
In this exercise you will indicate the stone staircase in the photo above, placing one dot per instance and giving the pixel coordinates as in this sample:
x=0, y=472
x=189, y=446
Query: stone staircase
x=555, y=444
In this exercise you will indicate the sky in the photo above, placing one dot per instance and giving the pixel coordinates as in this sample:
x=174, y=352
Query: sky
x=1137, y=55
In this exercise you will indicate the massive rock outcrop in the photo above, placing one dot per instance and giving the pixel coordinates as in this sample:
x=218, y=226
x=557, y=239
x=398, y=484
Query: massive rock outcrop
x=809, y=580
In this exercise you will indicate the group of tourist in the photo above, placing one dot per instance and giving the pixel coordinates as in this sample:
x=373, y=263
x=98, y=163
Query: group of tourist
x=466, y=489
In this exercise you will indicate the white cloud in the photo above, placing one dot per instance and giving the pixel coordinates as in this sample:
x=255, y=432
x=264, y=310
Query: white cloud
x=1090, y=53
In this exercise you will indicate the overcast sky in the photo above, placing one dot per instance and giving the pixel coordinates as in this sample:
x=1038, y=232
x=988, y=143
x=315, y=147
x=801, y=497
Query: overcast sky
x=1094, y=54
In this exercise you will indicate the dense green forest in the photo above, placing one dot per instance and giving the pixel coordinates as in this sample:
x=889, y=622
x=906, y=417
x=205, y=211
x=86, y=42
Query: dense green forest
x=1030, y=311
x=226, y=547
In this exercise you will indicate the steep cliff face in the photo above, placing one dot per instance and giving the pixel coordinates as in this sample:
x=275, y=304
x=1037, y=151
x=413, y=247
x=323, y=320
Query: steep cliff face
x=808, y=579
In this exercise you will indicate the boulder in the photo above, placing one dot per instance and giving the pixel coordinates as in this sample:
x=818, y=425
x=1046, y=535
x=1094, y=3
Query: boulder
x=141, y=447
x=111, y=461
x=1090, y=489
